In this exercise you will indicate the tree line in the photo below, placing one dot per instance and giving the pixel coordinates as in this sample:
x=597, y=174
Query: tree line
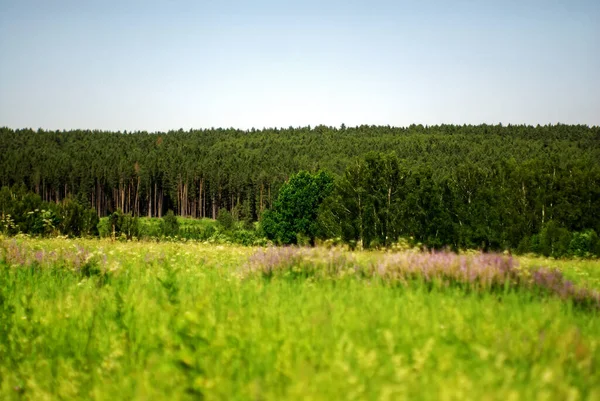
x=198, y=172
x=380, y=200
x=493, y=187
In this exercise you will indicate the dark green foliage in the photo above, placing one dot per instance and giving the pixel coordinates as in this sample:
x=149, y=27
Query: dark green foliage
x=382, y=198
x=201, y=234
x=76, y=220
x=225, y=219
x=553, y=240
x=242, y=212
x=556, y=241
x=488, y=187
x=196, y=173
x=24, y=212
x=169, y=225
x=41, y=222
x=246, y=237
x=115, y=223
x=294, y=213
x=271, y=226
x=124, y=224
x=584, y=244
x=189, y=229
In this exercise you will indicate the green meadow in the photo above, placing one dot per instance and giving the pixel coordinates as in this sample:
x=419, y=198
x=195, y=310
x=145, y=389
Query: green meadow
x=107, y=320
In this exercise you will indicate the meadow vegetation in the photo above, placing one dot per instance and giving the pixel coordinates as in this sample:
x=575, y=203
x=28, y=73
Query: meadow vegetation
x=103, y=319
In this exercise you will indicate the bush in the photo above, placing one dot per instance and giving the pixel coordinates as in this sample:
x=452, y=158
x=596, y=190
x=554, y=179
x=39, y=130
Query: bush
x=585, y=244
x=41, y=222
x=274, y=229
x=150, y=227
x=556, y=241
x=104, y=227
x=77, y=220
x=124, y=224
x=169, y=225
x=244, y=237
x=225, y=219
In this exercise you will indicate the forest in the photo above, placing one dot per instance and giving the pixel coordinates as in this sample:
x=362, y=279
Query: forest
x=490, y=187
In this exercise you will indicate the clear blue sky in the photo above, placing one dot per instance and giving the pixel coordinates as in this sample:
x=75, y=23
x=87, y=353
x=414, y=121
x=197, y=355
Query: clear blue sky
x=159, y=65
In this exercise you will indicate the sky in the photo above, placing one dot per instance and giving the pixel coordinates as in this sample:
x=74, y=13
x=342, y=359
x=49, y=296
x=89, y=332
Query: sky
x=161, y=65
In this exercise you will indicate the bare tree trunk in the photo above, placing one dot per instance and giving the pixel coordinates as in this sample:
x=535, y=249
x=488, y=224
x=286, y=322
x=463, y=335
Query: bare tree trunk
x=137, y=197
x=202, y=196
x=219, y=200
x=199, y=200
x=186, y=202
x=262, y=187
x=160, y=206
x=122, y=185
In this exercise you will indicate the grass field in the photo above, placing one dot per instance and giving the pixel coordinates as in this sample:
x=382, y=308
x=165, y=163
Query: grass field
x=102, y=320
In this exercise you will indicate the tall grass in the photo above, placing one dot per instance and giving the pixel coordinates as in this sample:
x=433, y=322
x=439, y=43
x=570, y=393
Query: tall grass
x=475, y=272
x=178, y=322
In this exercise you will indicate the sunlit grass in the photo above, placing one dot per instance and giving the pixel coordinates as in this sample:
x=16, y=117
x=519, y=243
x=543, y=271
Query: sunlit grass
x=582, y=271
x=177, y=321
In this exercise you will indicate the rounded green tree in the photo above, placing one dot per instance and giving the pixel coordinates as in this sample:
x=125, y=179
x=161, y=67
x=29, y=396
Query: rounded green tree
x=294, y=213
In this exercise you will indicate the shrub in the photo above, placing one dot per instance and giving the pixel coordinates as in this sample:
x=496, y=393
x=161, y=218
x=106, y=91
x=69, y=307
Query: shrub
x=104, y=227
x=244, y=237
x=124, y=224
x=169, y=225
x=585, y=244
x=225, y=219
x=77, y=220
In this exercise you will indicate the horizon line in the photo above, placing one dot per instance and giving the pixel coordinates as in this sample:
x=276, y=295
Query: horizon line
x=309, y=126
